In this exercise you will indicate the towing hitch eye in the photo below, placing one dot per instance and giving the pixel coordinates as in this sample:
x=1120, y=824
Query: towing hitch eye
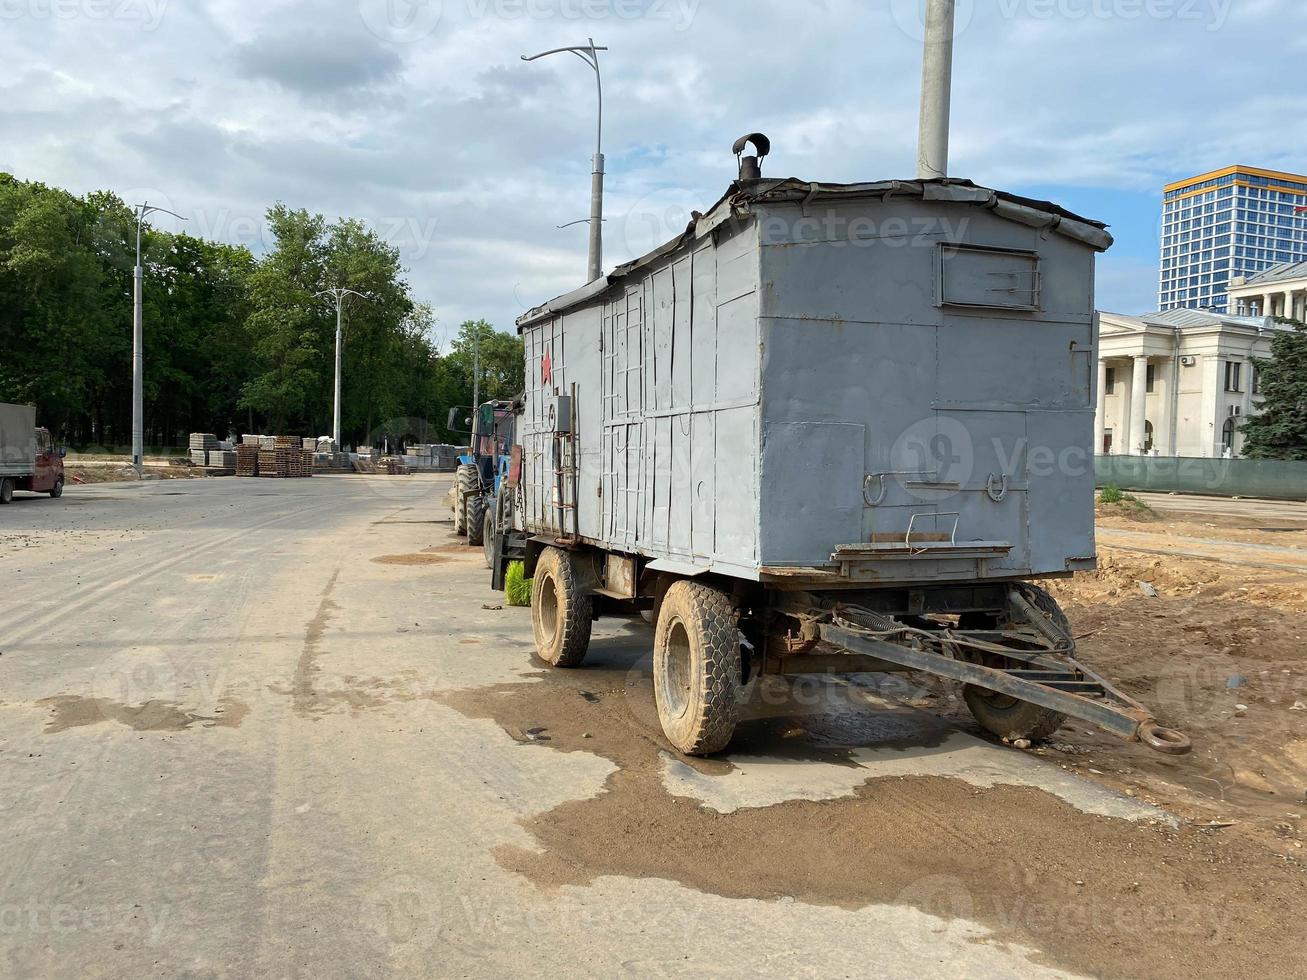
x=1165, y=740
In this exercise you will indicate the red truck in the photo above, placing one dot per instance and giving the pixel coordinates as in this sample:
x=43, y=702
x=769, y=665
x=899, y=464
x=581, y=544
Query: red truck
x=28, y=458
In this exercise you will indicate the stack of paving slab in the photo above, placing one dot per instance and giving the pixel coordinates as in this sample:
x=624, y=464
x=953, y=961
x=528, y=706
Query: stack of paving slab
x=202, y=443
x=433, y=457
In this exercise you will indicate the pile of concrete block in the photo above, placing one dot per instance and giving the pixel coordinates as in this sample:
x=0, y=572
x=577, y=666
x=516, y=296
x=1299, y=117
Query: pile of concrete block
x=202, y=443
x=433, y=457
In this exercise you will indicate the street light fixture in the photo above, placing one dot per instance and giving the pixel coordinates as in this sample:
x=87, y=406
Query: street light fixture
x=338, y=293
x=589, y=53
x=138, y=341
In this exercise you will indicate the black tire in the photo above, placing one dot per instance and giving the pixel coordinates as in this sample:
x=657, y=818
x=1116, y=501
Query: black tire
x=6, y=490
x=476, y=517
x=465, y=481
x=561, y=612
x=1003, y=715
x=488, y=529
x=58, y=490
x=697, y=668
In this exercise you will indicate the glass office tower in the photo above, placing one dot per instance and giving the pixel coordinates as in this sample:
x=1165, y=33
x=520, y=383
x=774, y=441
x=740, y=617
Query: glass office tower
x=1233, y=222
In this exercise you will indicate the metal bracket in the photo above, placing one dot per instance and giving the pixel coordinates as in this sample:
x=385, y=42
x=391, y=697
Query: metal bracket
x=989, y=488
x=884, y=490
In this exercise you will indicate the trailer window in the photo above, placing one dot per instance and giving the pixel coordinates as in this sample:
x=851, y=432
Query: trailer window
x=991, y=278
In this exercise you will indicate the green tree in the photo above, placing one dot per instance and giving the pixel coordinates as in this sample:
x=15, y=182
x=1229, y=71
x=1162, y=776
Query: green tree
x=287, y=323
x=232, y=342
x=1280, y=430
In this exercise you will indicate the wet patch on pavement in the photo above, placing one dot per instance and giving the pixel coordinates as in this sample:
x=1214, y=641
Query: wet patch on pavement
x=72, y=711
x=1094, y=893
x=306, y=701
x=417, y=558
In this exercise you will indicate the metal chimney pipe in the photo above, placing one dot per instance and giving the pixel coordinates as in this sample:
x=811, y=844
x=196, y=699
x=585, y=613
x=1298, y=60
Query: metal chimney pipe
x=936, y=90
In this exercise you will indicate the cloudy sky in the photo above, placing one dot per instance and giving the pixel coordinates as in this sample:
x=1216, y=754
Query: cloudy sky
x=419, y=117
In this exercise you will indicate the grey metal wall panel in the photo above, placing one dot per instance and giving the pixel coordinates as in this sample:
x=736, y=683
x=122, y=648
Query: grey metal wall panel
x=1060, y=466
x=855, y=330
x=823, y=508
x=736, y=465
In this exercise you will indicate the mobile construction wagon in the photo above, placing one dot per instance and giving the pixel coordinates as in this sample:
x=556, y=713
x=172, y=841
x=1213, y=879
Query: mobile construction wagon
x=831, y=427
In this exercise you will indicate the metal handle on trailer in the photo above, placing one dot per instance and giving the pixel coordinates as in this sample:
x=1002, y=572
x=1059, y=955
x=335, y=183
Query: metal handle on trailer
x=953, y=534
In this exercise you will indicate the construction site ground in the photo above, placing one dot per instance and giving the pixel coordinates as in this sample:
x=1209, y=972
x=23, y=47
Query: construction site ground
x=284, y=728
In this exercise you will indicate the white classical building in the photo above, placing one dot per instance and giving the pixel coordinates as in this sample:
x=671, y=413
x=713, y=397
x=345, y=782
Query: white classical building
x=1178, y=383
x=1279, y=291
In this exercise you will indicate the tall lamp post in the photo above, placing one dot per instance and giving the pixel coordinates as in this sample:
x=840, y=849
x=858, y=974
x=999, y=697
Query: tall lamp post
x=338, y=293
x=589, y=53
x=138, y=341
x=936, y=91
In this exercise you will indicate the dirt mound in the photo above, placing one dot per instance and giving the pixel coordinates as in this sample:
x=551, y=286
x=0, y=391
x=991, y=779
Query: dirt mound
x=1119, y=575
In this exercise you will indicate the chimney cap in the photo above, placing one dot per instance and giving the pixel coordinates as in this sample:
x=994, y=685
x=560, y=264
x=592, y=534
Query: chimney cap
x=751, y=166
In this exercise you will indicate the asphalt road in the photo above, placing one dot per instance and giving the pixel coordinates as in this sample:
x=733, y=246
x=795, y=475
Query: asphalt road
x=284, y=728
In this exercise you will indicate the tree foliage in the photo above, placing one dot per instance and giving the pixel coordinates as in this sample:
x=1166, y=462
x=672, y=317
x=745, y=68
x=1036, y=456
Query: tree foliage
x=233, y=342
x=1280, y=430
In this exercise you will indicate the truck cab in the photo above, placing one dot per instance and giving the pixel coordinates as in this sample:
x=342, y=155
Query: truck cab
x=49, y=474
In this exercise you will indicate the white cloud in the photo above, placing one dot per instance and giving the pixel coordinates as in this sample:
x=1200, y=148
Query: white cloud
x=470, y=158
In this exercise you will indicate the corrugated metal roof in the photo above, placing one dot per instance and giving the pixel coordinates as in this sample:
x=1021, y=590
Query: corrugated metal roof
x=1202, y=318
x=1278, y=273
x=738, y=197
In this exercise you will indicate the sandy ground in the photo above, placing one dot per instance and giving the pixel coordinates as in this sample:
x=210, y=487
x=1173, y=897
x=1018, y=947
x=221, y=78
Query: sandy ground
x=287, y=730
x=1218, y=653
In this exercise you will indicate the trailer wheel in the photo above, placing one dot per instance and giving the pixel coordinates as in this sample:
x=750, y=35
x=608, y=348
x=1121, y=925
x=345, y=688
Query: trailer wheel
x=58, y=490
x=561, y=613
x=6, y=490
x=697, y=668
x=464, y=482
x=476, y=517
x=1002, y=714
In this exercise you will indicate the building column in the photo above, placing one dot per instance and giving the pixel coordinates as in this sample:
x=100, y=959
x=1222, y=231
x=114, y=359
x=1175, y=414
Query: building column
x=1138, y=404
x=1100, y=415
x=1268, y=305
x=1289, y=305
x=1208, y=417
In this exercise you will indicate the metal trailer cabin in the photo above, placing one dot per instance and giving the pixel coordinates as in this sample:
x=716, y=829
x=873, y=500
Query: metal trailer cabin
x=846, y=408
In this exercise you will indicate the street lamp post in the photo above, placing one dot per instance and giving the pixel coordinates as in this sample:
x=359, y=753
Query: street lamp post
x=589, y=53
x=936, y=91
x=338, y=293
x=138, y=342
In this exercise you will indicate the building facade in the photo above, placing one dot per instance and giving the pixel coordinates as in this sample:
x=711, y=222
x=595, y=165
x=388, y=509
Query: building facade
x=1178, y=383
x=1279, y=291
x=1230, y=223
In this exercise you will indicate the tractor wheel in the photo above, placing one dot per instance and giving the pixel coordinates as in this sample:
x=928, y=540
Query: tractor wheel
x=697, y=668
x=58, y=490
x=1002, y=714
x=466, y=481
x=476, y=517
x=561, y=612
x=6, y=490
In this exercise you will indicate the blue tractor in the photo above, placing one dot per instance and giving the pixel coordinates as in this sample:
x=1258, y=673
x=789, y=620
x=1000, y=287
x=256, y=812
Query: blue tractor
x=481, y=510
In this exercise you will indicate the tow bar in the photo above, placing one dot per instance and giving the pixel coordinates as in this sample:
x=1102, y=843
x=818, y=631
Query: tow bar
x=1046, y=675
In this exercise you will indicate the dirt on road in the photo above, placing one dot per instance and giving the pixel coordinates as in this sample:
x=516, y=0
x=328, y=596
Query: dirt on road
x=1214, y=646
